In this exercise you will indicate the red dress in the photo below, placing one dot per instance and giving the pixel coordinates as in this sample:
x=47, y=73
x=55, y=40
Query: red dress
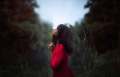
x=59, y=62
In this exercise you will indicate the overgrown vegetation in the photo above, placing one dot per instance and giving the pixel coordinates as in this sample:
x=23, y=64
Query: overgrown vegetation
x=24, y=38
x=100, y=36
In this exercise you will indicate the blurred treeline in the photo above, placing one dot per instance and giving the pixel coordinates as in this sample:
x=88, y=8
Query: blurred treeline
x=97, y=52
x=24, y=38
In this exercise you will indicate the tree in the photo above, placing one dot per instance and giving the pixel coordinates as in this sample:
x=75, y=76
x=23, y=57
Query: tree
x=84, y=54
x=104, y=15
x=24, y=38
x=103, y=25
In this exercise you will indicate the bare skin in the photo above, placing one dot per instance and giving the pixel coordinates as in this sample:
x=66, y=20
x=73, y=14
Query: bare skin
x=53, y=33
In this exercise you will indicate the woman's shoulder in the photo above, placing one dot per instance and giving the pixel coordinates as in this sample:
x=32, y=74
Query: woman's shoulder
x=59, y=45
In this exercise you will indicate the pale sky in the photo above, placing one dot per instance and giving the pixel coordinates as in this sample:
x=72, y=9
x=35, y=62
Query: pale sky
x=61, y=11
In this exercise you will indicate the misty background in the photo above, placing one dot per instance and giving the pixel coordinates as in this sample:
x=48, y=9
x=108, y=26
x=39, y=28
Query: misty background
x=61, y=11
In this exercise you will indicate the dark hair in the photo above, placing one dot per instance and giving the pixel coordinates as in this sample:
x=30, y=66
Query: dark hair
x=64, y=36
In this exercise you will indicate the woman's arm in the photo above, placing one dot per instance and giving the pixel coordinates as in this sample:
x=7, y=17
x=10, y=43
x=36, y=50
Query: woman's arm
x=57, y=56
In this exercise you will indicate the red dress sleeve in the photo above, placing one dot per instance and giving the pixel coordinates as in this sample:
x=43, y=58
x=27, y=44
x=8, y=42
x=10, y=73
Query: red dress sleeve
x=57, y=56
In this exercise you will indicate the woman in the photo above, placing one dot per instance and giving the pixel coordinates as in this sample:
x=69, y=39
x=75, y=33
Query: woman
x=61, y=50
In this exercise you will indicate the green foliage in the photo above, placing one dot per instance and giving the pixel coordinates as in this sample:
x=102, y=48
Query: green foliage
x=40, y=53
x=24, y=39
x=83, y=57
x=100, y=48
